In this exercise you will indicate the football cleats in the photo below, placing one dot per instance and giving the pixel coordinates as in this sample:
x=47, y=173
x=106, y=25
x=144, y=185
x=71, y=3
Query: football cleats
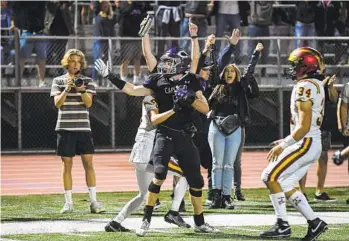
x=174, y=61
x=305, y=61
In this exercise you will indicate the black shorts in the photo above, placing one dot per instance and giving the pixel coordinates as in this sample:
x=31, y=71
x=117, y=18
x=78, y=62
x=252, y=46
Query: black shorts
x=70, y=143
x=326, y=140
x=171, y=143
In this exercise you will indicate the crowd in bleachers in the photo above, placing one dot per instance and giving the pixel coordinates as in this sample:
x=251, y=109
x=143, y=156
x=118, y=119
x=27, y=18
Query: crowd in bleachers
x=62, y=18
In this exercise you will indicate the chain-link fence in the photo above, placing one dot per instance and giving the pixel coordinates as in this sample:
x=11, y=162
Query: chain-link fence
x=28, y=119
x=126, y=56
x=29, y=116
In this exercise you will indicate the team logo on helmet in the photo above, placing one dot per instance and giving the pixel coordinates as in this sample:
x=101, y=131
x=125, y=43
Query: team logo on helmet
x=174, y=61
x=305, y=61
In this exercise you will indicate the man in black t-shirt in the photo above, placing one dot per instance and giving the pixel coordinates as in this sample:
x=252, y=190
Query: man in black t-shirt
x=177, y=94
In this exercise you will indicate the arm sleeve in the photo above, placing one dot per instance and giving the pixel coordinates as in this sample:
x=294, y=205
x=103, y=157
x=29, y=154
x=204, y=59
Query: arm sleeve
x=224, y=57
x=252, y=64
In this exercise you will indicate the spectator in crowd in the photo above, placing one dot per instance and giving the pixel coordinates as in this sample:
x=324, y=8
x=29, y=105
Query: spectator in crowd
x=29, y=18
x=6, y=16
x=83, y=10
x=103, y=27
x=305, y=22
x=229, y=104
x=259, y=20
x=228, y=13
x=168, y=16
x=342, y=115
x=327, y=21
x=57, y=23
x=73, y=96
x=328, y=124
x=197, y=13
x=339, y=157
x=131, y=15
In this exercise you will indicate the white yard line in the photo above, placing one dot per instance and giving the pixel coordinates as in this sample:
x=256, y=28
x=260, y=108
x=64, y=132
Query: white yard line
x=158, y=223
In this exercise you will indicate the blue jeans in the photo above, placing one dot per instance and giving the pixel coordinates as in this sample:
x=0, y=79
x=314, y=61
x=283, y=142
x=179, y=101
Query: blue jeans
x=100, y=51
x=233, y=21
x=304, y=30
x=202, y=32
x=27, y=46
x=259, y=31
x=224, y=153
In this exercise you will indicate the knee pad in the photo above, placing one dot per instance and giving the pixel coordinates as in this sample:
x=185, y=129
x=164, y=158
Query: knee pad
x=196, y=182
x=160, y=172
x=195, y=193
x=153, y=188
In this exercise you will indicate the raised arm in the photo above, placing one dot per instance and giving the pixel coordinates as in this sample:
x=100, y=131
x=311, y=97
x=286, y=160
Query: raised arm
x=225, y=55
x=195, y=48
x=130, y=89
x=148, y=55
x=211, y=39
x=253, y=60
x=146, y=45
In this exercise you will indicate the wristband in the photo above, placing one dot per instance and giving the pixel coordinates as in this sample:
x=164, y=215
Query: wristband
x=193, y=37
x=288, y=141
x=116, y=81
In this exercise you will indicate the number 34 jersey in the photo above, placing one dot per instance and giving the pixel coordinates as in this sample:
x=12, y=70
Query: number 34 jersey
x=304, y=90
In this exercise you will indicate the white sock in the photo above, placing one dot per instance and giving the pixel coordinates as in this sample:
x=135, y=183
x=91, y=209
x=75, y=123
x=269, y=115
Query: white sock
x=179, y=192
x=68, y=196
x=279, y=203
x=93, y=194
x=300, y=203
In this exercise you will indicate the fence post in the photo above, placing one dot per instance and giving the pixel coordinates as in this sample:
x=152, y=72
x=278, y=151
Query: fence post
x=19, y=119
x=76, y=23
x=281, y=112
x=17, y=58
x=278, y=60
x=19, y=90
x=112, y=117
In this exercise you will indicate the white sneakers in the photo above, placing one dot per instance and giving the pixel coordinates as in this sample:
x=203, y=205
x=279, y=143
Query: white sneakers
x=143, y=229
x=206, y=228
x=67, y=208
x=95, y=207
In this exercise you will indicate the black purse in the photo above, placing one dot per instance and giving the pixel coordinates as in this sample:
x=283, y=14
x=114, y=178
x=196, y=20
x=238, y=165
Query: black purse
x=229, y=124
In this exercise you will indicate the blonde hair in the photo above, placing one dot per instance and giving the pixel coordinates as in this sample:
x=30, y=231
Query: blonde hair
x=67, y=58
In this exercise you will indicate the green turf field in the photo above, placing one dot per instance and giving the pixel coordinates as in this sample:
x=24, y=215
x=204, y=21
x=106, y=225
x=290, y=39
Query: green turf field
x=337, y=233
x=47, y=207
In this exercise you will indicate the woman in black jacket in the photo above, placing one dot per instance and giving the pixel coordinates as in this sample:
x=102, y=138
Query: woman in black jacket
x=230, y=112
